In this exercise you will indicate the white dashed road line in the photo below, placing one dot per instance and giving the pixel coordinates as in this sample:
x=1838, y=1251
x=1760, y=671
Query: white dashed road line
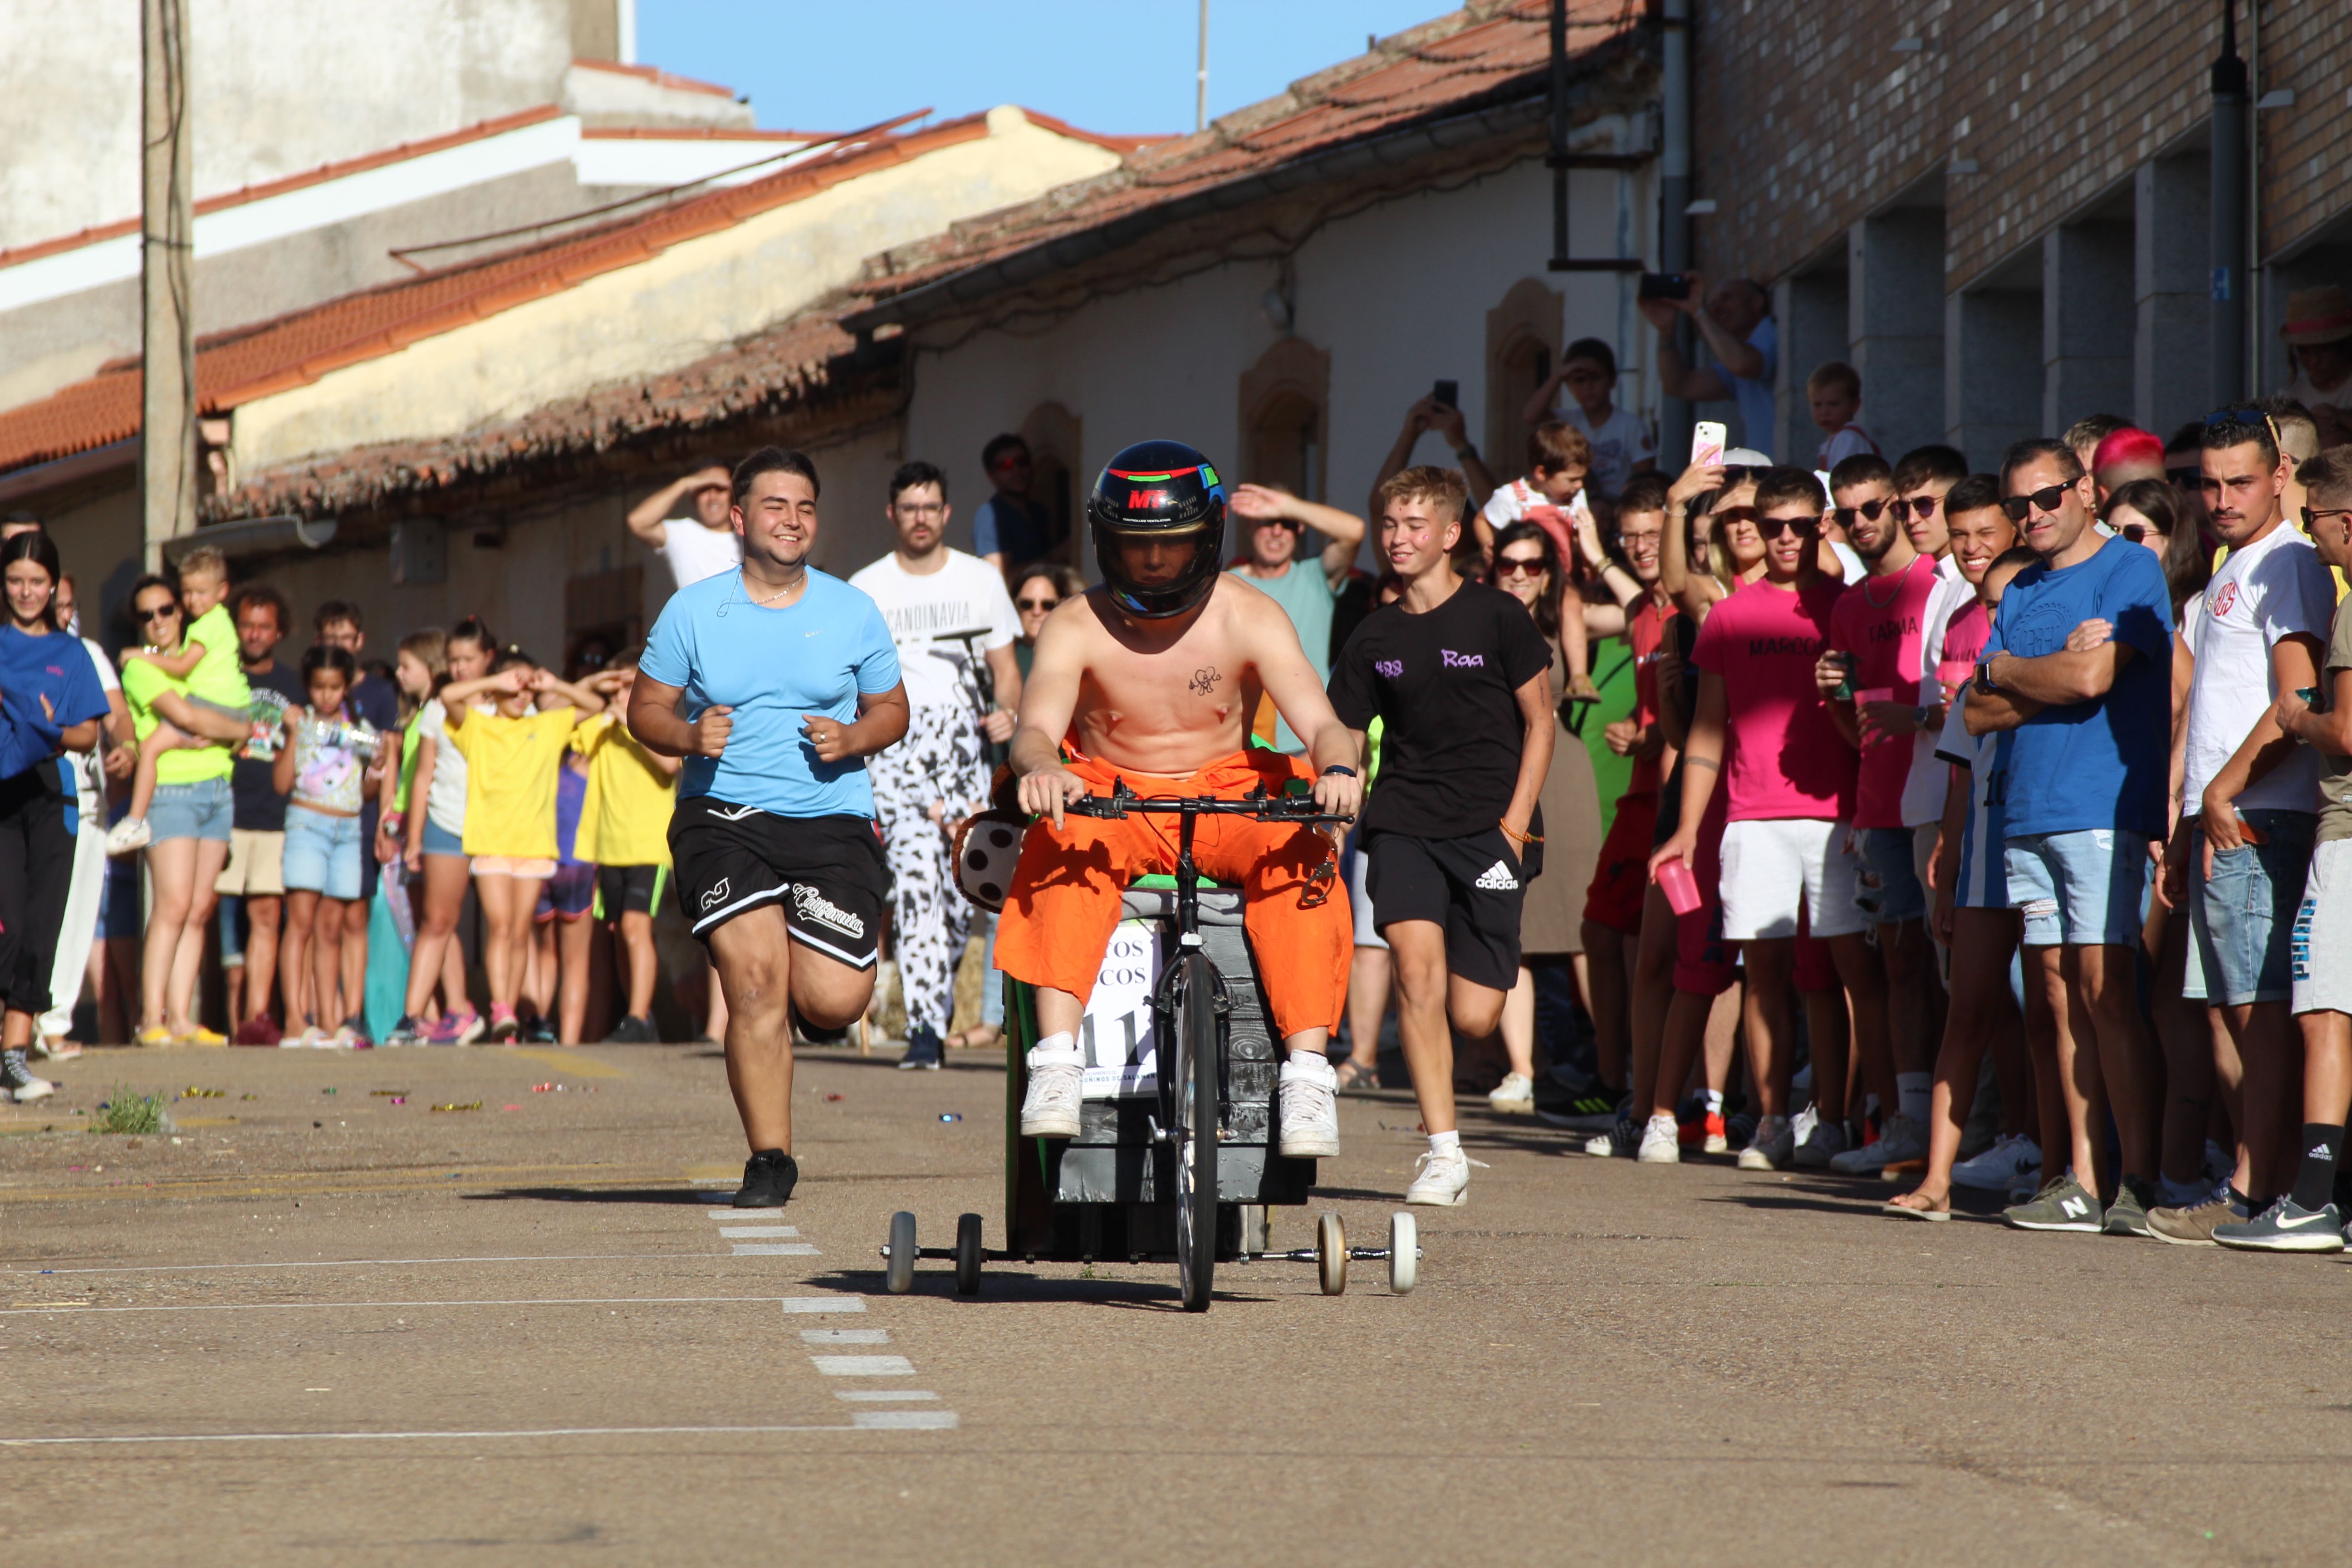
x=864, y=1366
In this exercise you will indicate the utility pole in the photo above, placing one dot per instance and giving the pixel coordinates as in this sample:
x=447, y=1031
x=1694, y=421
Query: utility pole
x=1201, y=76
x=167, y=449
x=2228, y=187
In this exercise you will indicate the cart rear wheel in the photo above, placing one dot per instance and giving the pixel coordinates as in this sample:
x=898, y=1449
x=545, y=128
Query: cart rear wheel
x=1196, y=1133
x=898, y=1274
x=1331, y=1254
x=1404, y=1253
x=968, y=1254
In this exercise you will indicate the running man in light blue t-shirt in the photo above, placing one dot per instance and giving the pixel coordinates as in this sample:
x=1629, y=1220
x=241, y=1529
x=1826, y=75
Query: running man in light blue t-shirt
x=774, y=682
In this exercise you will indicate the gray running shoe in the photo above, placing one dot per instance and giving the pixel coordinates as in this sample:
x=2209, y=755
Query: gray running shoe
x=2060, y=1205
x=2127, y=1216
x=1774, y=1144
x=2191, y=1224
x=1821, y=1148
x=1902, y=1138
x=2284, y=1227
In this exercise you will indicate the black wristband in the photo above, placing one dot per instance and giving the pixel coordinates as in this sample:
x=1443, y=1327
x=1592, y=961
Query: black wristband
x=1464, y=454
x=1336, y=768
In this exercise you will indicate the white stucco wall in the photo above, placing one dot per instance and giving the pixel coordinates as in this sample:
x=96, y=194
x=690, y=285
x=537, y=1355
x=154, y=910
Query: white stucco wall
x=280, y=87
x=1398, y=296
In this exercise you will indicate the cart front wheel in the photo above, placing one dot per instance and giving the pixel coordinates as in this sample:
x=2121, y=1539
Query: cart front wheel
x=898, y=1274
x=968, y=1254
x=1331, y=1254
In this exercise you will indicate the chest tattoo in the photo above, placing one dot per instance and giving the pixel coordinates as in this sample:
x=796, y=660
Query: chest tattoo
x=1204, y=679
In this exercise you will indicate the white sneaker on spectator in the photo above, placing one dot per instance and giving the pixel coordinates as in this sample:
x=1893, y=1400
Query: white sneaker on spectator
x=1515, y=1095
x=19, y=1081
x=1310, y=1110
x=1819, y=1149
x=1444, y=1180
x=2011, y=1162
x=1900, y=1139
x=1661, y=1142
x=130, y=833
x=1773, y=1146
x=1056, y=1090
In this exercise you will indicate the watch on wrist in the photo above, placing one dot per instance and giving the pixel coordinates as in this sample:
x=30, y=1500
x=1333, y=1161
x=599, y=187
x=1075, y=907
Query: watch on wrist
x=1920, y=714
x=1984, y=678
x=1463, y=454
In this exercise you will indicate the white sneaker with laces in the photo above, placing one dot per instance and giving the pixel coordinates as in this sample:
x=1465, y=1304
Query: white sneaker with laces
x=1661, y=1142
x=2011, y=1162
x=130, y=833
x=1056, y=1084
x=1773, y=1145
x=1515, y=1095
x=1900, y=1139
x=1444, y=1180
x=1310, y=1110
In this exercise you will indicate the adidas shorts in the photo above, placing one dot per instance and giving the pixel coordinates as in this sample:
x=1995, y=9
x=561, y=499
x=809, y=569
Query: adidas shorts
x=826, y=871
x=1472, y=887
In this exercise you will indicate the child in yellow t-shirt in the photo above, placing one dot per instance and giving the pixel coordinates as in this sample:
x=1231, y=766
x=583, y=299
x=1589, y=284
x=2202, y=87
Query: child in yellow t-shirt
x=624, y=830
x=198, y=693
x=512, y=754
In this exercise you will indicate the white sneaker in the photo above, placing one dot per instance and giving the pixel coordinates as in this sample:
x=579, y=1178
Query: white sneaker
x=1773, y=1146
x=2011, y=1162
x=1444, y=1180
x=20, y=1081
x=1819, y=1148
x=1661, y=1142
x=1601, y=1145
x=1056, y=1090
x=1515, y=1095
x=1310, y=1110
x=1900, y=1139
x=130, y=833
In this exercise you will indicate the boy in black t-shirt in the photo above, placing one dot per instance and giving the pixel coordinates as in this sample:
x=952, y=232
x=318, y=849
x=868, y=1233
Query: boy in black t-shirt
x=1461, y=679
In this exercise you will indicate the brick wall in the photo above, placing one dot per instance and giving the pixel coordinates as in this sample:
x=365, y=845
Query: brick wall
x=1807, y=116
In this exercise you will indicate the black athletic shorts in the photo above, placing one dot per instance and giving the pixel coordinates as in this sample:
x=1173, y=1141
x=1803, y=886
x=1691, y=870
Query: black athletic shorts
x=629, y=891
x=826, y=871
x=1472, y=887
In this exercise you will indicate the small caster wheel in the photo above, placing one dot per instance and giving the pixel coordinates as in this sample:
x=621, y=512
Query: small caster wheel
x=898, y=1274
x=1331, y=1254
x=968, y=1254
x=1404, y=1253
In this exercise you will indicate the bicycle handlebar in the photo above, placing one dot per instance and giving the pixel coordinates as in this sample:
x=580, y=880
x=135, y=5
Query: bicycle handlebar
x=1114, y=807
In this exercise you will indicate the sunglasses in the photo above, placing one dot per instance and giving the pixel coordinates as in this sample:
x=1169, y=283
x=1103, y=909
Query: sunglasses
x=1519, y=566
x=157, y=614
x=1037, y=604
x=1737, y=514
x=2139, y=532
x=2046, y=498
x=1869, y=509
x=1774, y=527
x=1921, y=507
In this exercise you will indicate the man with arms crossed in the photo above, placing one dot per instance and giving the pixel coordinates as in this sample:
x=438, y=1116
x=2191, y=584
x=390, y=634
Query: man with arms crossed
x=2083, y=772
x=1151, y=679
x=779, y=868
x=1461, y=681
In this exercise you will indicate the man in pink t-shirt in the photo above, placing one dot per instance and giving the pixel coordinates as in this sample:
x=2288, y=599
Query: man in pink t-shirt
x=1763, y=735
x=1870, y=677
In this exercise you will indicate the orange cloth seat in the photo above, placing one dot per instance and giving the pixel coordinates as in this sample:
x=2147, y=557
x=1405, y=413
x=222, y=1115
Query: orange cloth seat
x=1065, y=900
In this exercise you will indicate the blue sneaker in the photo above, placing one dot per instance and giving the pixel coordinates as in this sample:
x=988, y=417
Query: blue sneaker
x=923, y=1050
x=2284, y=1227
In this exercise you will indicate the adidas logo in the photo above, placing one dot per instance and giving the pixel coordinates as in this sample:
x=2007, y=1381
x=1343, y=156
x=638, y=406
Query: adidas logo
x=1497, y=878
x=2316, y=1151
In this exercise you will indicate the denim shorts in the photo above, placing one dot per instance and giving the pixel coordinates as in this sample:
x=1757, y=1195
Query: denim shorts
x=1887, y=886
x=204, y=809
x=322, y=853
x=2241, y=920
x=439, y=840
x=2080, y=888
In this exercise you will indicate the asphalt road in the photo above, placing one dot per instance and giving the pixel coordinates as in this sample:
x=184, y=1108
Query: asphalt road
x=328, y=1323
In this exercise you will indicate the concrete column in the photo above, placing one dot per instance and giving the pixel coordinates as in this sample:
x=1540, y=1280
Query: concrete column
x=2086, y=323
x=1811, y=312
x=1992, y=372
x=1895, y=324
x=2171, y=336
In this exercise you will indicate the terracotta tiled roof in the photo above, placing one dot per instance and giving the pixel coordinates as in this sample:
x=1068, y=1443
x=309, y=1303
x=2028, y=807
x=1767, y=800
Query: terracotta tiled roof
x=658, y=76
x=1490, y=50
x=255, y=361
x=319, y=175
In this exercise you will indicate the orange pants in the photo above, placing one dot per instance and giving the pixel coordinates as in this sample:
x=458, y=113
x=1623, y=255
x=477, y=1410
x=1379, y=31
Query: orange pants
x=1064, y=901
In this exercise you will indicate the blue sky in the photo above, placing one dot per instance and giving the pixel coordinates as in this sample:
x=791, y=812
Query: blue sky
x=1123, y=67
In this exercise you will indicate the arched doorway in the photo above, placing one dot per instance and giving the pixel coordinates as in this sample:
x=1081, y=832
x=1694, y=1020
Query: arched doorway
x=1523, y=341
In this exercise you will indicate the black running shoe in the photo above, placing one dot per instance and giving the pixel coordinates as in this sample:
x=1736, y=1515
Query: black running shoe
x=631, y=1030
x=767, y=1179
x=923, y=1050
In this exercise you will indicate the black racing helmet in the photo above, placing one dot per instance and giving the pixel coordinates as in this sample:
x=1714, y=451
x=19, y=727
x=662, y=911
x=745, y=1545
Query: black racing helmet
x=1159, y=490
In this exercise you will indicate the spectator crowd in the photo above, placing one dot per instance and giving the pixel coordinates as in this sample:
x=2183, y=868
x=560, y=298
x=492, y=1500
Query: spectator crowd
x=1983, y=831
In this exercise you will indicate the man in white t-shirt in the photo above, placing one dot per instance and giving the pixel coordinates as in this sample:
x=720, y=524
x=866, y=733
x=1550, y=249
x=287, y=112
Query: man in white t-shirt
x=2253, y=792
x=951, y=617
x=697, y=547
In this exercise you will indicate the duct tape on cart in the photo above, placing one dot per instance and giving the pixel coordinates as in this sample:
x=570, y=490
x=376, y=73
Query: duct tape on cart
x=1116, y=1033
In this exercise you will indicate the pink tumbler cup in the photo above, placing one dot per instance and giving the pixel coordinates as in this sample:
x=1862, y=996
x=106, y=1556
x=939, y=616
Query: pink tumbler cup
x=1674, y=879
